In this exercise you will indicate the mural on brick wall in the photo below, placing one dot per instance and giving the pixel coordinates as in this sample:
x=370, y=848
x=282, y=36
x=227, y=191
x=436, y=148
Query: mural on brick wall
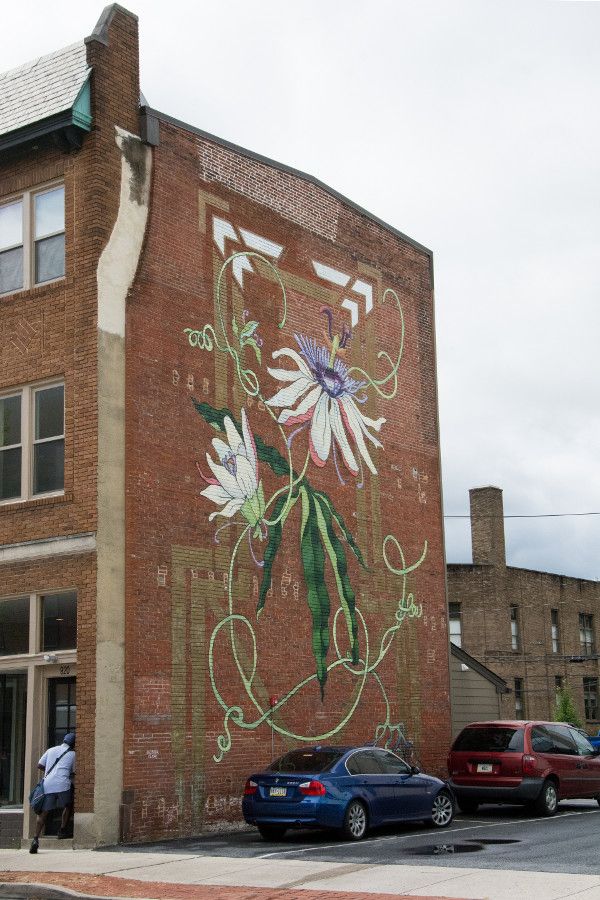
x=304, y=390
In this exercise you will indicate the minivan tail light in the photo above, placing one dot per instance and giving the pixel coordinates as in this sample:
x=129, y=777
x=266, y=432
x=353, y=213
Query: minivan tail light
x=250, y=787
x=529, y=766
x=312, y=788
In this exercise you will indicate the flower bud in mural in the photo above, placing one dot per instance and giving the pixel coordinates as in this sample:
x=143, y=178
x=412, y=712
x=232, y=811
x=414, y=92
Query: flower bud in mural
x=235, y=485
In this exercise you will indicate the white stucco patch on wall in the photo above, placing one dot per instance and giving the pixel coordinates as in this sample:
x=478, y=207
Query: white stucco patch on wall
x=119, y=260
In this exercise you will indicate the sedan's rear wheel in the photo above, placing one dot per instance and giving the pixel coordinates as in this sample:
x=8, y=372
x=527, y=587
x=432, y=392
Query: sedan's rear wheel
x=442, y=811
x=355, y=821
x=547, y=801
x=272, y=832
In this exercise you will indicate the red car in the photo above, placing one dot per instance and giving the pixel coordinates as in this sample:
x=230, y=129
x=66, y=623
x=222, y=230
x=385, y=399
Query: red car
x=532, y=763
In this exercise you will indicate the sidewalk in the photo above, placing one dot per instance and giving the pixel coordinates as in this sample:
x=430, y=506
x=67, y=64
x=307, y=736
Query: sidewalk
x=187, y=876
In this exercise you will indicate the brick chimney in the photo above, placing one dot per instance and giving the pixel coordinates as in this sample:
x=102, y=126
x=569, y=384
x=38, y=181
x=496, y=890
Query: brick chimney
x=487, y=526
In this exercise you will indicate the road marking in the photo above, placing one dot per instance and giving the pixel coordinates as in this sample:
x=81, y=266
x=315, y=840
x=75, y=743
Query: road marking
x=442, y=832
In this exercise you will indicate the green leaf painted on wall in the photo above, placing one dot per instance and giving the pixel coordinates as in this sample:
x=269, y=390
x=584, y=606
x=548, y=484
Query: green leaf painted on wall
x=337, y=557
x=344, y=529
x=273, y=544
x=317, y=595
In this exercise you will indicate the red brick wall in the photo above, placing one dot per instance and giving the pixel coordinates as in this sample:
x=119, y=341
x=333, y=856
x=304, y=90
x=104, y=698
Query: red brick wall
x=50, y=331
x=177, y=575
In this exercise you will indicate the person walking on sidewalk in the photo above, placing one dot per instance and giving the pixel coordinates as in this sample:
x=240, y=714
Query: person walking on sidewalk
x=59, y=764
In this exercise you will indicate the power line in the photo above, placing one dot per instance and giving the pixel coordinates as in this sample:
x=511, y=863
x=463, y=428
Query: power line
x=527, y=516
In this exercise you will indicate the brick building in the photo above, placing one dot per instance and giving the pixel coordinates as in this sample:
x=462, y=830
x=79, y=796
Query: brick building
x=220, y=511
x=536, y=630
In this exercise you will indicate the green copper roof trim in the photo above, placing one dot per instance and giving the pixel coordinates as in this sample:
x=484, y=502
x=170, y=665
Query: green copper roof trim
x=82, y=108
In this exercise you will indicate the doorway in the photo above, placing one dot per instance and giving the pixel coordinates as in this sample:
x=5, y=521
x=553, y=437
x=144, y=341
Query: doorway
x=62, y=716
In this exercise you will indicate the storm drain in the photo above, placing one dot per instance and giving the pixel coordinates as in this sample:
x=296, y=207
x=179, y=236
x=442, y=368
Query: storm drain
x=444, y=849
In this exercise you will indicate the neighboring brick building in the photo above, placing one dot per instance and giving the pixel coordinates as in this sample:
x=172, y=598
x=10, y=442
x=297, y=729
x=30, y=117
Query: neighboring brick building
x=190, y=330
x=536, y=630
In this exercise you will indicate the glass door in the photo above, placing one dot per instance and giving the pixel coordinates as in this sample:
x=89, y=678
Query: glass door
x=62, y=710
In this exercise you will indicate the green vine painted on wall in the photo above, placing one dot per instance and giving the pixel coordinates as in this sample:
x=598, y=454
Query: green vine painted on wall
x=321, y=398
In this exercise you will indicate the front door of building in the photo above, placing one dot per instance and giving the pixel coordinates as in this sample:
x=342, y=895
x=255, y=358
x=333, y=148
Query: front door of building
x=62, y=712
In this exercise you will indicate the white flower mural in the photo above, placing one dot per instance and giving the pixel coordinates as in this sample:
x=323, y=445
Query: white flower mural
x=235, y=484
x=329, y=399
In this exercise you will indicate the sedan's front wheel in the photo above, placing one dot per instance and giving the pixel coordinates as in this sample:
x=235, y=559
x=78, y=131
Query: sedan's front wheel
x=355, y=821
x=442, y=811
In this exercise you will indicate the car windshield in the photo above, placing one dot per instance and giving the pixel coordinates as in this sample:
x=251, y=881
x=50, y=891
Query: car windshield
x=494, y=739
x=311, y=761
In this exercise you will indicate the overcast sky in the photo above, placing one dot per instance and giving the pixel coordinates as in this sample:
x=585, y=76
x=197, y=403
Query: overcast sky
x=474, y=128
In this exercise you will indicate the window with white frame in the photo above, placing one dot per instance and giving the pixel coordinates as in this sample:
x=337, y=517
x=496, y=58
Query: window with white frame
x=586, y=634
x=32, y=442
x=32, y=238
x=515, y=636
x=555, y=630
x=455, y=623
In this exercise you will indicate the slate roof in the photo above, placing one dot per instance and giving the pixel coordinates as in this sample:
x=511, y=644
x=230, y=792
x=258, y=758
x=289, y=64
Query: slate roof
x=42, y=88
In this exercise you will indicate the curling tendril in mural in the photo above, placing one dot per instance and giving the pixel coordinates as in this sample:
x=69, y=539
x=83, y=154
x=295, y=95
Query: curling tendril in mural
x=317, y=407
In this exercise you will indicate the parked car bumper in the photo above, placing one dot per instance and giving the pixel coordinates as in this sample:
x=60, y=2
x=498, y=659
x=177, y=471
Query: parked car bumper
x=527, y=790
x=311, y=812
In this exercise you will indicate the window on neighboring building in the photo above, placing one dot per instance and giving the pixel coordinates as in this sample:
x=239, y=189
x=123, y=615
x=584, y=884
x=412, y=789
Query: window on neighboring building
x=590, y=699
x=455, y=623
x=558, y=682
x=515, y=637
x=586, y=633
x=32, y=238
x=519, y=699
x=32, y=442
x=555, y=631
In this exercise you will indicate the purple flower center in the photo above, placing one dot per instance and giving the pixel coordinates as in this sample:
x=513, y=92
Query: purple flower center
x=230, y=463
x=330, y=380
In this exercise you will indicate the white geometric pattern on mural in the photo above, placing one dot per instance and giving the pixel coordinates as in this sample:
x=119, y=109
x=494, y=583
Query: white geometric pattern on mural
x=334, y=276
x=224, y=230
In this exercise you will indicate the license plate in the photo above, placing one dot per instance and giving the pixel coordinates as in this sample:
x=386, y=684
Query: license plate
x=485, y=767
x=277, y=792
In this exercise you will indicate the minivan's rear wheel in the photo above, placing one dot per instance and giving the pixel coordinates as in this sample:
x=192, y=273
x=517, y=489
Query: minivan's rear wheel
x=442, y=810
x=355, y=821
x=272, y=832
x=467, y=806
x=547, y=801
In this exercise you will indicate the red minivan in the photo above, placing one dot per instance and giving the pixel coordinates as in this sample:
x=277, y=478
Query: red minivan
x=533, y=763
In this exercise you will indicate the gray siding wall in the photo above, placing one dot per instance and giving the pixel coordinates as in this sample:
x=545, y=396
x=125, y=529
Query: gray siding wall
x=473, y=697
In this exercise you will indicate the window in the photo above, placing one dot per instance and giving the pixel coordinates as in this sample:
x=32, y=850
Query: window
x=392, y=764
x=490, y=738
x=558, y=682
x=13, y=704
x=586, y=633
x=515, y=638
x=32, y=239
x=14, y=626
x=455, y=623
x=365, y=762
x=59, y=621
x=554, y=630
x=519, y=699
x=584, y=748
x=32, y=442
x=590, y=699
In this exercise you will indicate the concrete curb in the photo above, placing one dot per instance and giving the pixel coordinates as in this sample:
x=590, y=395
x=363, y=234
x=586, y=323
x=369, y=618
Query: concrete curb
x=40, y=891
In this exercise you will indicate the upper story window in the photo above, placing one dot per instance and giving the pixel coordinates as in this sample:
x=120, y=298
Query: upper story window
x=555, y=630
x=32, y=239
x=590, y=698
x=32, y=442
x=515, y=635
x=455, y=623
x=586, y=633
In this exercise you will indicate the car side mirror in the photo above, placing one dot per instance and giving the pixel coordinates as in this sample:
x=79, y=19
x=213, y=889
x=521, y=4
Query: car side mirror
x=415, y=770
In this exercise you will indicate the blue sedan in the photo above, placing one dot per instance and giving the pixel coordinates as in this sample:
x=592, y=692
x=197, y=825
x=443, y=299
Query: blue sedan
x=347, y=788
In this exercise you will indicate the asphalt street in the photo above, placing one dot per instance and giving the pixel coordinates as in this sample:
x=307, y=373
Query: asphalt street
x=495, y=838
